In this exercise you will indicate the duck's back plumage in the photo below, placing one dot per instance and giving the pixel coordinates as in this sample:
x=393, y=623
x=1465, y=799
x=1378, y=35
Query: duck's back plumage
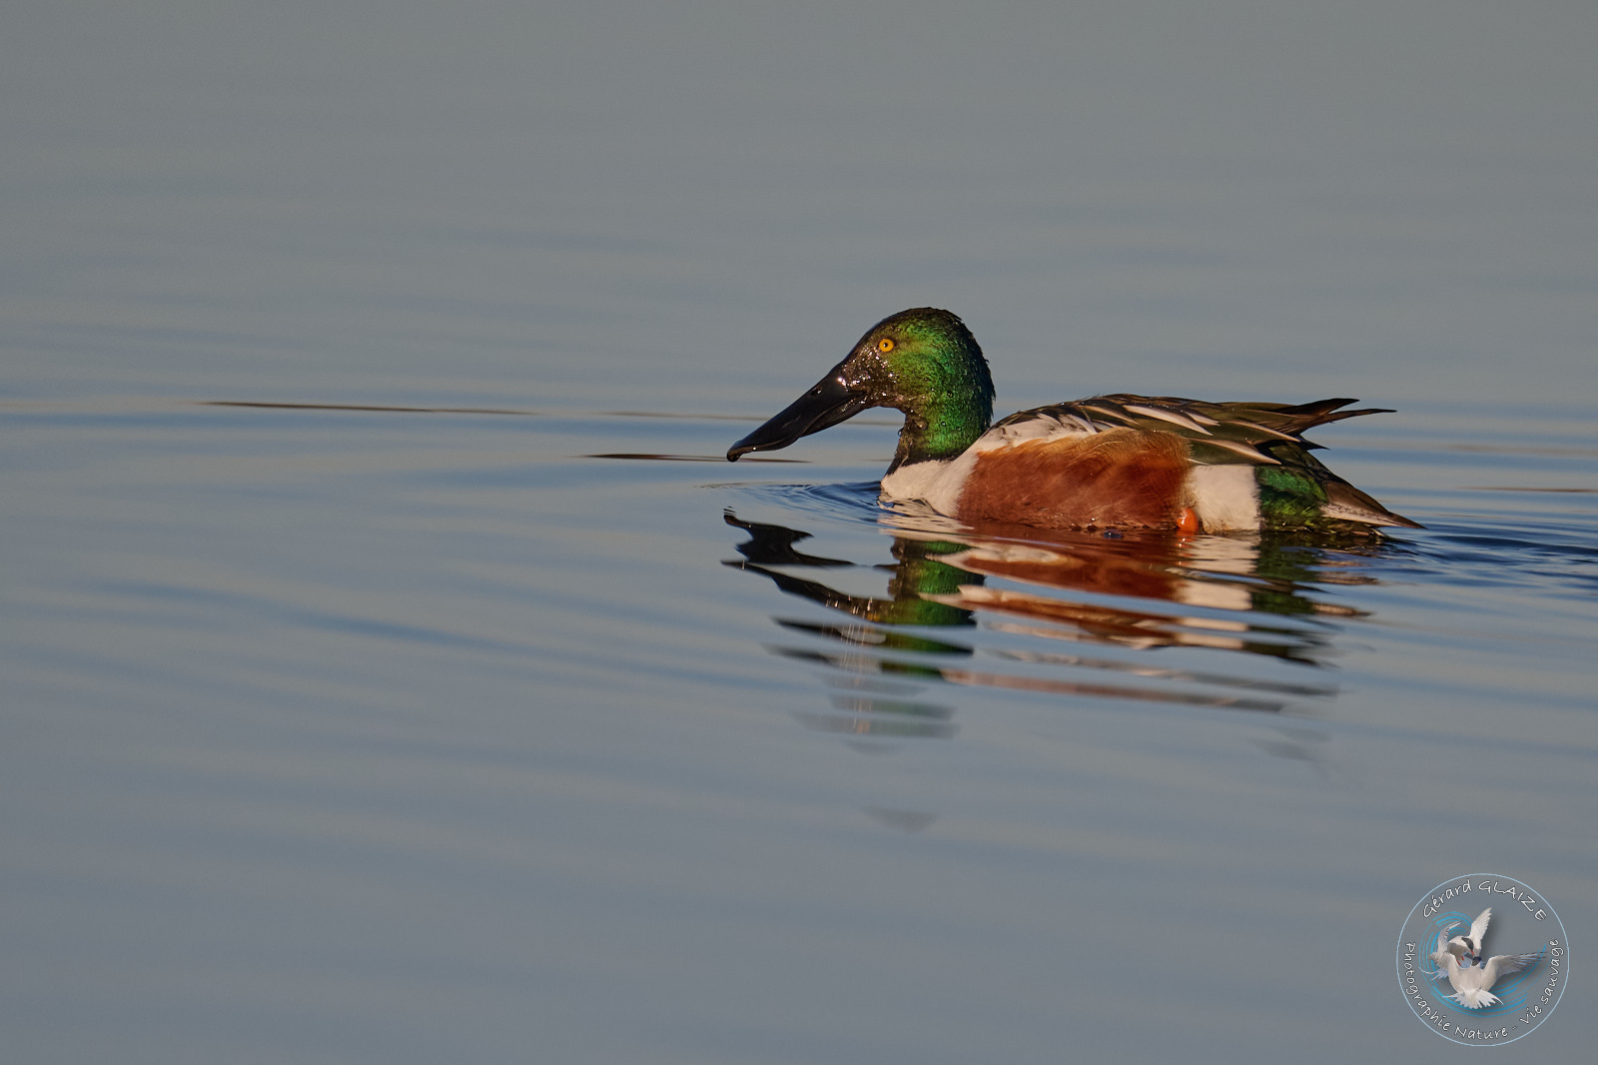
x=1147, y=461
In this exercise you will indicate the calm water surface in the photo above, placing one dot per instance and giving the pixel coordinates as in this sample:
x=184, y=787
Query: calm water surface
x=395, y=670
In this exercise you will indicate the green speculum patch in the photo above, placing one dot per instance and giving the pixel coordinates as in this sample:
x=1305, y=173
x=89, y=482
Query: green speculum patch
x=1289, y=496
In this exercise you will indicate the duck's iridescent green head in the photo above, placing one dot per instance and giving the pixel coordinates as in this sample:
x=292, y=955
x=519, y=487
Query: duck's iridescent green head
x=924, y=362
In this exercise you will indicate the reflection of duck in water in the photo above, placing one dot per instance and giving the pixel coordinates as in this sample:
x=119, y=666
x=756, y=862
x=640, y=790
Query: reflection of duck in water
x=1456, y=959
x=919, y=579
x=1118, y=461
x=940, y=578
x=1063, y=592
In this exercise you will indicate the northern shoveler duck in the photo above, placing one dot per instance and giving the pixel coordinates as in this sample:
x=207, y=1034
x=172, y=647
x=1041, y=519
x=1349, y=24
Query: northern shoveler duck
x=1117, y=461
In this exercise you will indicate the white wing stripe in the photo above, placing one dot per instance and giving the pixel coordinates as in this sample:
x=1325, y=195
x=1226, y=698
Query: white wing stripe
x=1175, y=417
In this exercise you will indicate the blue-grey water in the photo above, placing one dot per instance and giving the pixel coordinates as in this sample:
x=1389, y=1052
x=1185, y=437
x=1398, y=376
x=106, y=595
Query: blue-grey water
x=394, y=671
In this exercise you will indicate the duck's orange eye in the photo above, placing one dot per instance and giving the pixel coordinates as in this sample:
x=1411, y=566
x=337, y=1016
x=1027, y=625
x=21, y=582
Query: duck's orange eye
x=885, y=345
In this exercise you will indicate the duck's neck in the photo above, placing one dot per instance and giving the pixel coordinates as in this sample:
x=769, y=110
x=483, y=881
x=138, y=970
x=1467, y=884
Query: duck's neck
x=938, y=430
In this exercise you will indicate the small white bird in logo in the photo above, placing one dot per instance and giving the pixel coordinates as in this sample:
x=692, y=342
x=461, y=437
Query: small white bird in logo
x=1459, y=946
x=1472, y=983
